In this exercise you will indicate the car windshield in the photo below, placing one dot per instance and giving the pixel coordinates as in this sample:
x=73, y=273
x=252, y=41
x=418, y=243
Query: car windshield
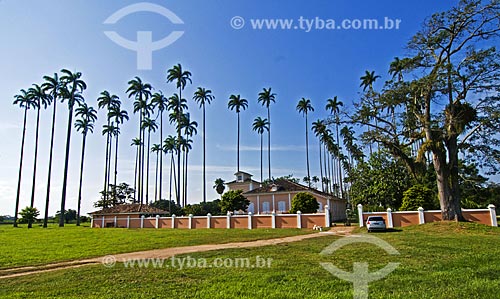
x=376, y=218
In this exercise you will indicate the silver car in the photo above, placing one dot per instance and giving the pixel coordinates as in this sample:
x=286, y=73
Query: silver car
x=375, y=223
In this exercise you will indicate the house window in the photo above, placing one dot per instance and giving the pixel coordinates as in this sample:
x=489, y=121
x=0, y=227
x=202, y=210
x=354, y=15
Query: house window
x=266, y=207
x=281, y=206
x=251, y=208
x=240, y=178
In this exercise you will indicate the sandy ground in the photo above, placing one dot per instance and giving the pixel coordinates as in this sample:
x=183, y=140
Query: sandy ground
x=110, y=260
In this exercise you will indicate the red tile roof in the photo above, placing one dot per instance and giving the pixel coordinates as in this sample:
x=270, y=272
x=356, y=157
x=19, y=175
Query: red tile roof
x=283, y=185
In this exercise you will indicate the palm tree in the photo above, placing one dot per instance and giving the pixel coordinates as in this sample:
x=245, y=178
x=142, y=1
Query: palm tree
x=41, y=99
x=303, y=107
x=141, y=92
x=368, y=79
x=318, y=128
x=185, y=147
x=159, y=101
x=85, y=124
x=260, y=125
x=111, y=131
x=237, y=103
x=149, y=125
x=107, y=101
x=25, y=101
x=73, y=87
x=156, y=148
x=119, y=117
x=333, y=105
x=137, y=143
x=52, y=86
x=203, y=96
x=266, y=97
x=219, y=186
x=170, y=146
x=181, y=78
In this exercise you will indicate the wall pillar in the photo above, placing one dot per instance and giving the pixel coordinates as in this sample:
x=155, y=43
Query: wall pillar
x=421, y=216
x=327, y=216
x=249, y=220
x=389, y=218
x=209, y=220
x=173, y=221
x=142, y=221
x=128, y=221
x=228, y=220
x=299, y=219
x=493, y=215
x=157, y=223
x=360, y=215
x=190, y=225
x=258, y=204
x=114, y=221
x=102, y=221
x=92, y=221
x=273, y=219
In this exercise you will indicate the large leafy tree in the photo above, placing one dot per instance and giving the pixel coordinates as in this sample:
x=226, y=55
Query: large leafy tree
x=450, y=104
x=73, y=86
x=260, y=125
x=204, y=96
x=26, y=102
x=266, y=97
x=233, y=200
x=181, y=78
x=237, y=103
x=303, y=107
x=52, y=87
x=85, y=124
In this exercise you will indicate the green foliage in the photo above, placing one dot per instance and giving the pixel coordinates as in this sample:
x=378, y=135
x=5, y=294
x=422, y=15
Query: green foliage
x=233, y=200
x=202, y=209
x=379, y=182
x=289, y=177
x=419, y=196
x=305, y=203
x=28, y=215
x=1, y=219
x=168, y=205
x=69, y=215
x=117, y=195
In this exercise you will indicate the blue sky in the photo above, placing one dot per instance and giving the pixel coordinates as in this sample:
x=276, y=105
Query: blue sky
x=41, y=37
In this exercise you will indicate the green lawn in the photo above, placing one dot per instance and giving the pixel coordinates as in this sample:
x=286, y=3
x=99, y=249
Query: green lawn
x=26, y=247
x=438, y=260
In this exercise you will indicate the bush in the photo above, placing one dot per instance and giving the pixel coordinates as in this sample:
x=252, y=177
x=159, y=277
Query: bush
x=305, y=203
x=233, y=200
x=419, y=196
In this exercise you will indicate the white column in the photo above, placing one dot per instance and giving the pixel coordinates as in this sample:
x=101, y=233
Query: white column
x=421, y=218
x=289, y=201
x=92, y=221
x=360, y=213
x=102, y=222
x=389, y=218
x=249, y=220
x=274, y=206
x=128, y=221
x=114, y=222
x=327, y=216
x=173, y=221
x=157, y=223
x=299, y=219
x=190, y=221
x=493, y=215
x=142, y=221
x=209, y=220
x=258, y=204
x=273, y=219
x=228, y=219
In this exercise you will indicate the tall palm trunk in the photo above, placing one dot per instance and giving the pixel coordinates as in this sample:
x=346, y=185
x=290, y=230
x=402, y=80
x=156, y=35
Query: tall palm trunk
x=161, y=156
x=261, y=166
x=156, y=177
x=339, y=164
x=105, y=187
x=47, y=197
x=268, y=143
x=330, y=178
x=135, y=172
x=108, y=178
x=172, y=165
x=204, y=160
x=321, y=168
x=238, y=146
x=20, y=166
x=179, y=148
x=139, y=177
x=186, y=178
x=81, y=180
x=307, y=154
x=66, y=161
x=33, y=185
x=116, y=154
x=147, y=168
x=327, y=188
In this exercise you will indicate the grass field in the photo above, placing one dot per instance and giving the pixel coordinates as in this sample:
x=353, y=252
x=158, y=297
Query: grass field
x=438, y=260
x=27, y=247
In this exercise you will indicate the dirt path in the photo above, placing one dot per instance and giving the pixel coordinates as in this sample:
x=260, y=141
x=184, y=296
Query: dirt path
x=110, y=260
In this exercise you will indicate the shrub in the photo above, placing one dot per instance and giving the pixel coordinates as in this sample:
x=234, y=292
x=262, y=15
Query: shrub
x=233, y=200
x=304, y=202
x=419, y=196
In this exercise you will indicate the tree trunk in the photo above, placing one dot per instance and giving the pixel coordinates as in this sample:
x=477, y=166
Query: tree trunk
x=269, y=142
x=204, y=160
x=66, y=162
x=321, y=168
x=135, y=172
x=32, y=203
x=156, y=177
x=20, y=167
x=81, y=180
x=238, y=147
x=105, y=187
x=47, y=197
x=261, y=166
x=116, y=154
x=147, y=168
x=161, y=155
x=307, y=154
